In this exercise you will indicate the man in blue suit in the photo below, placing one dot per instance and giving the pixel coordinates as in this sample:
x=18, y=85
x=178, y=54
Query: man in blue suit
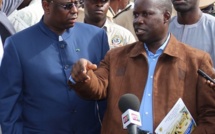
x=34, y=95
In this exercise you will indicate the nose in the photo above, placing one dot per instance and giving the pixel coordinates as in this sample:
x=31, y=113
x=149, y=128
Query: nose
x=138, y=20
x=74, y=8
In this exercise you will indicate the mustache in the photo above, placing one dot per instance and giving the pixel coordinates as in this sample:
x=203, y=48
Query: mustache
x=74, y=15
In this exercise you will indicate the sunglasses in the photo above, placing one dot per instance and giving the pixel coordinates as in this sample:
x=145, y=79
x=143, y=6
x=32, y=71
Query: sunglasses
x=67, y=6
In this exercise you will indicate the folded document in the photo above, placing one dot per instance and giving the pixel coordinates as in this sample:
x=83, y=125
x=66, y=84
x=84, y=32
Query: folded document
x=177, y=121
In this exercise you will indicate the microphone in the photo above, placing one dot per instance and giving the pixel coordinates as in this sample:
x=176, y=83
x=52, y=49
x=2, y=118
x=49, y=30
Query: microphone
x=129, y=104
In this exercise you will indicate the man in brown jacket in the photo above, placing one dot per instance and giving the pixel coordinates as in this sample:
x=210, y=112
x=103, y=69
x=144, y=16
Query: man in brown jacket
x=158, y=70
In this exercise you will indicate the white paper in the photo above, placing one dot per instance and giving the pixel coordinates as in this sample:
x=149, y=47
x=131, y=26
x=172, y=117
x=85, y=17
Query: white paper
x=177, y=121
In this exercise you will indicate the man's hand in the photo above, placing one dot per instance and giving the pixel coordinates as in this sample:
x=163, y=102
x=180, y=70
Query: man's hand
x=210, y=84
x=80, y=69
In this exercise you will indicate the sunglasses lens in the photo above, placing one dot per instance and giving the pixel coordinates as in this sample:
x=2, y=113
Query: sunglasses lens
x=70, y=5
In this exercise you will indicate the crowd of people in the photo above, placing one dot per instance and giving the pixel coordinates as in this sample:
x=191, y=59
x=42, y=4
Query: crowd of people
x=65, y=65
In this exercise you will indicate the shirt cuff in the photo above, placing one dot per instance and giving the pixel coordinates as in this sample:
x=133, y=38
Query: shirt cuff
x=71, y=80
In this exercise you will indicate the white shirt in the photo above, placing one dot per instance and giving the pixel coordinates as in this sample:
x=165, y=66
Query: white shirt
x=117, y=35
x=1, y=55
x=200, y=35
x=28, y=16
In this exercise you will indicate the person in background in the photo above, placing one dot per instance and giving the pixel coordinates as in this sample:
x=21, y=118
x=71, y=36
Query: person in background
x=81, y=13
x=193, y=27
x=1, y=55
x=24, y=4
x=125, y=19
x=206, y=3
x=10, y=5
x=1, y=50
x=34, y=95
x=117, y=5
x=158, y=70
x=1, y=43
x=6, y=28
x=95, y=14
x=209, y=9
x=27, y=16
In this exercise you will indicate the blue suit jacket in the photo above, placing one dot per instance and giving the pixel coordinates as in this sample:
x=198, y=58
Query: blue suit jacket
x=34, y=95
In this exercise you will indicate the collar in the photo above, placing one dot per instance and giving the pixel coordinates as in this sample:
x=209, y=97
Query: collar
x=52, y=34
x=173, y=48
x=129, y=6
x=111, y=12
x=161, y=48
x=107, y=26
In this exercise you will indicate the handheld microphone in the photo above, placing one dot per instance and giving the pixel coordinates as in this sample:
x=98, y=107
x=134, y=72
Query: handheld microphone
x=129, y=105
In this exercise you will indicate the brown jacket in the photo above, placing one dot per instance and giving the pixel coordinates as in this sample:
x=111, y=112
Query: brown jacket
x=124, y=70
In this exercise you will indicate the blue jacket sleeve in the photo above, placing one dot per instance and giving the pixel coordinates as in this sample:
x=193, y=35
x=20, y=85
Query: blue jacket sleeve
x=11, y=91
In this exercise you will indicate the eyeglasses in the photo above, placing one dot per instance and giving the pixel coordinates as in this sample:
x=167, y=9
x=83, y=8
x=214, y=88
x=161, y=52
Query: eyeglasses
x=68, y=6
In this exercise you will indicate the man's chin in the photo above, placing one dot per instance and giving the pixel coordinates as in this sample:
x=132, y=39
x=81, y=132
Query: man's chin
x=70, y=25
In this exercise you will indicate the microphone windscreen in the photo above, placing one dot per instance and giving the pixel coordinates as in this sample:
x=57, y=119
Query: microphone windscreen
x=128, y=101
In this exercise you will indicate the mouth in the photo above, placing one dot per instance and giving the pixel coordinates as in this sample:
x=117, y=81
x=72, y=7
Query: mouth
x=99, y=11
x=72, y=20
x=178, y=2
x=139, y=31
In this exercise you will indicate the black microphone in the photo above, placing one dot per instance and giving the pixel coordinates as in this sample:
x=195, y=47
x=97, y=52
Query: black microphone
x=129, y=104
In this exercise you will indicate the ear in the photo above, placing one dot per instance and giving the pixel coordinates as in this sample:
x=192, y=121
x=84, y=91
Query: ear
x=167, y=16
x=46, y=6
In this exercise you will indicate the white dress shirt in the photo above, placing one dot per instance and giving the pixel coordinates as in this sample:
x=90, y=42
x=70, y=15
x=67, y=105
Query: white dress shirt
x=200, y=35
